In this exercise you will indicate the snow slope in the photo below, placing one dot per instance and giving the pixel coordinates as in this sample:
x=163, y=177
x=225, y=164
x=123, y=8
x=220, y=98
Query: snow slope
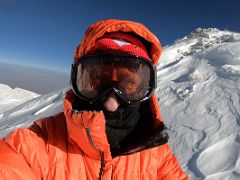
x=199, y=94
x=12, y=97
x=24, y=114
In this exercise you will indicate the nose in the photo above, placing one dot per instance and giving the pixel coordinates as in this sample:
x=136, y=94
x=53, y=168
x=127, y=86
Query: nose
x=111, y=103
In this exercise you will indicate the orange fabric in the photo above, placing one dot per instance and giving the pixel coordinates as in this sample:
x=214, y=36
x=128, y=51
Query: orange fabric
x=58, y=148
x=98, y=29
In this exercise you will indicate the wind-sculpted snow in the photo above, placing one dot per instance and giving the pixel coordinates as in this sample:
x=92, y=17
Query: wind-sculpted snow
x=199, y=94
x=11, y=97
x=197, y=41
x=24, y=114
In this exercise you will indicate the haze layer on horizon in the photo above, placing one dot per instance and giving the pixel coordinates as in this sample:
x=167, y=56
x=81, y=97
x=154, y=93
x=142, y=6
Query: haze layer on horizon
x=40, y=81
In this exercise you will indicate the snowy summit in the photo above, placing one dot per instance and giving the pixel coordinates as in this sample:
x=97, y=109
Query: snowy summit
x=199, y=95
x=198, y=89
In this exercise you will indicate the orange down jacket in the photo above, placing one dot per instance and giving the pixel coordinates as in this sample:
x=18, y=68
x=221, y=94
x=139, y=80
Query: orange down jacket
x=73, y=145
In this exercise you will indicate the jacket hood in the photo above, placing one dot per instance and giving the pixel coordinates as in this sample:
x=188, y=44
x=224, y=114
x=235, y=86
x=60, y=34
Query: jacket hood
x=97, y=30
x=87, y=128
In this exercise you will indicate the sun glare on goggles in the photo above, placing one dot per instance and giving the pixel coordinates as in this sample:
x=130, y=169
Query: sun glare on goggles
x=132, y=78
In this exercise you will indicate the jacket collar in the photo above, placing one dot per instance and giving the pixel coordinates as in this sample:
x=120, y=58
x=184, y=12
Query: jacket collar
x=87, y=129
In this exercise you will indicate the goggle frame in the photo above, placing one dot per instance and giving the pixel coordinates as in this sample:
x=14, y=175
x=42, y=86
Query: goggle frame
x=152, y=83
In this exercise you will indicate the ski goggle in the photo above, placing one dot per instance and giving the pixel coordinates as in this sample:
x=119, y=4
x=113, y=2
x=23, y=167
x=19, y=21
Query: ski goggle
x=133, y=79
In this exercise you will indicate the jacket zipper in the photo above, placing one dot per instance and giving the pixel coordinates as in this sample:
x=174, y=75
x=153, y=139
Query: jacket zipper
x=101, y=153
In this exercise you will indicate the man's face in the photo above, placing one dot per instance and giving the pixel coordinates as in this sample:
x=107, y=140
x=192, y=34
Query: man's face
x=124, y=78
x=128, y=79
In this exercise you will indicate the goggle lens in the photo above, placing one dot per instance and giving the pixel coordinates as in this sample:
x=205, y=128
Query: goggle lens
x=129, y=76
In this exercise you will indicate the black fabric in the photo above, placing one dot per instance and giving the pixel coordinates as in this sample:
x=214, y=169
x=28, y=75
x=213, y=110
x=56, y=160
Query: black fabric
x=137, y=143
x=120, y=123
x=130, y=128
x=144, y=135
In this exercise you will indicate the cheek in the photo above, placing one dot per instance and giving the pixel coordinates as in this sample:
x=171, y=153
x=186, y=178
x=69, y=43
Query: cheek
x=132, y=84
x=130, y=88
x=137, y=80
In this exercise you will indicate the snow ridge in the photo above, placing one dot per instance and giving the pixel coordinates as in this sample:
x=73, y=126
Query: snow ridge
x=198, y=41
x=24, y=114
x=13, y=96
x=199, y=92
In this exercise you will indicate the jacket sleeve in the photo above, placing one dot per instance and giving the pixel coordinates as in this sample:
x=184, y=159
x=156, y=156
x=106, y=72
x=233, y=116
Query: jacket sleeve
x=19, y=158
x=13, y=165
x=170, y=168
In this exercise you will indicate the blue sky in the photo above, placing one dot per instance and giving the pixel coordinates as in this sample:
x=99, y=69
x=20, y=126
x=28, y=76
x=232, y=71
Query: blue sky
x=45, y=33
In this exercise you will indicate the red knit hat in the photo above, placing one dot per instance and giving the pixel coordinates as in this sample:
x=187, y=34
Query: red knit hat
x=120, y=42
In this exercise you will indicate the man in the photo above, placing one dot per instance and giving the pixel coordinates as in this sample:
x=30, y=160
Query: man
x=111, y=127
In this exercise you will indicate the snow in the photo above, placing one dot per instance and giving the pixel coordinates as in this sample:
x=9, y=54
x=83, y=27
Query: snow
x=24, y=114
x=12, y=97
x=199, y=95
